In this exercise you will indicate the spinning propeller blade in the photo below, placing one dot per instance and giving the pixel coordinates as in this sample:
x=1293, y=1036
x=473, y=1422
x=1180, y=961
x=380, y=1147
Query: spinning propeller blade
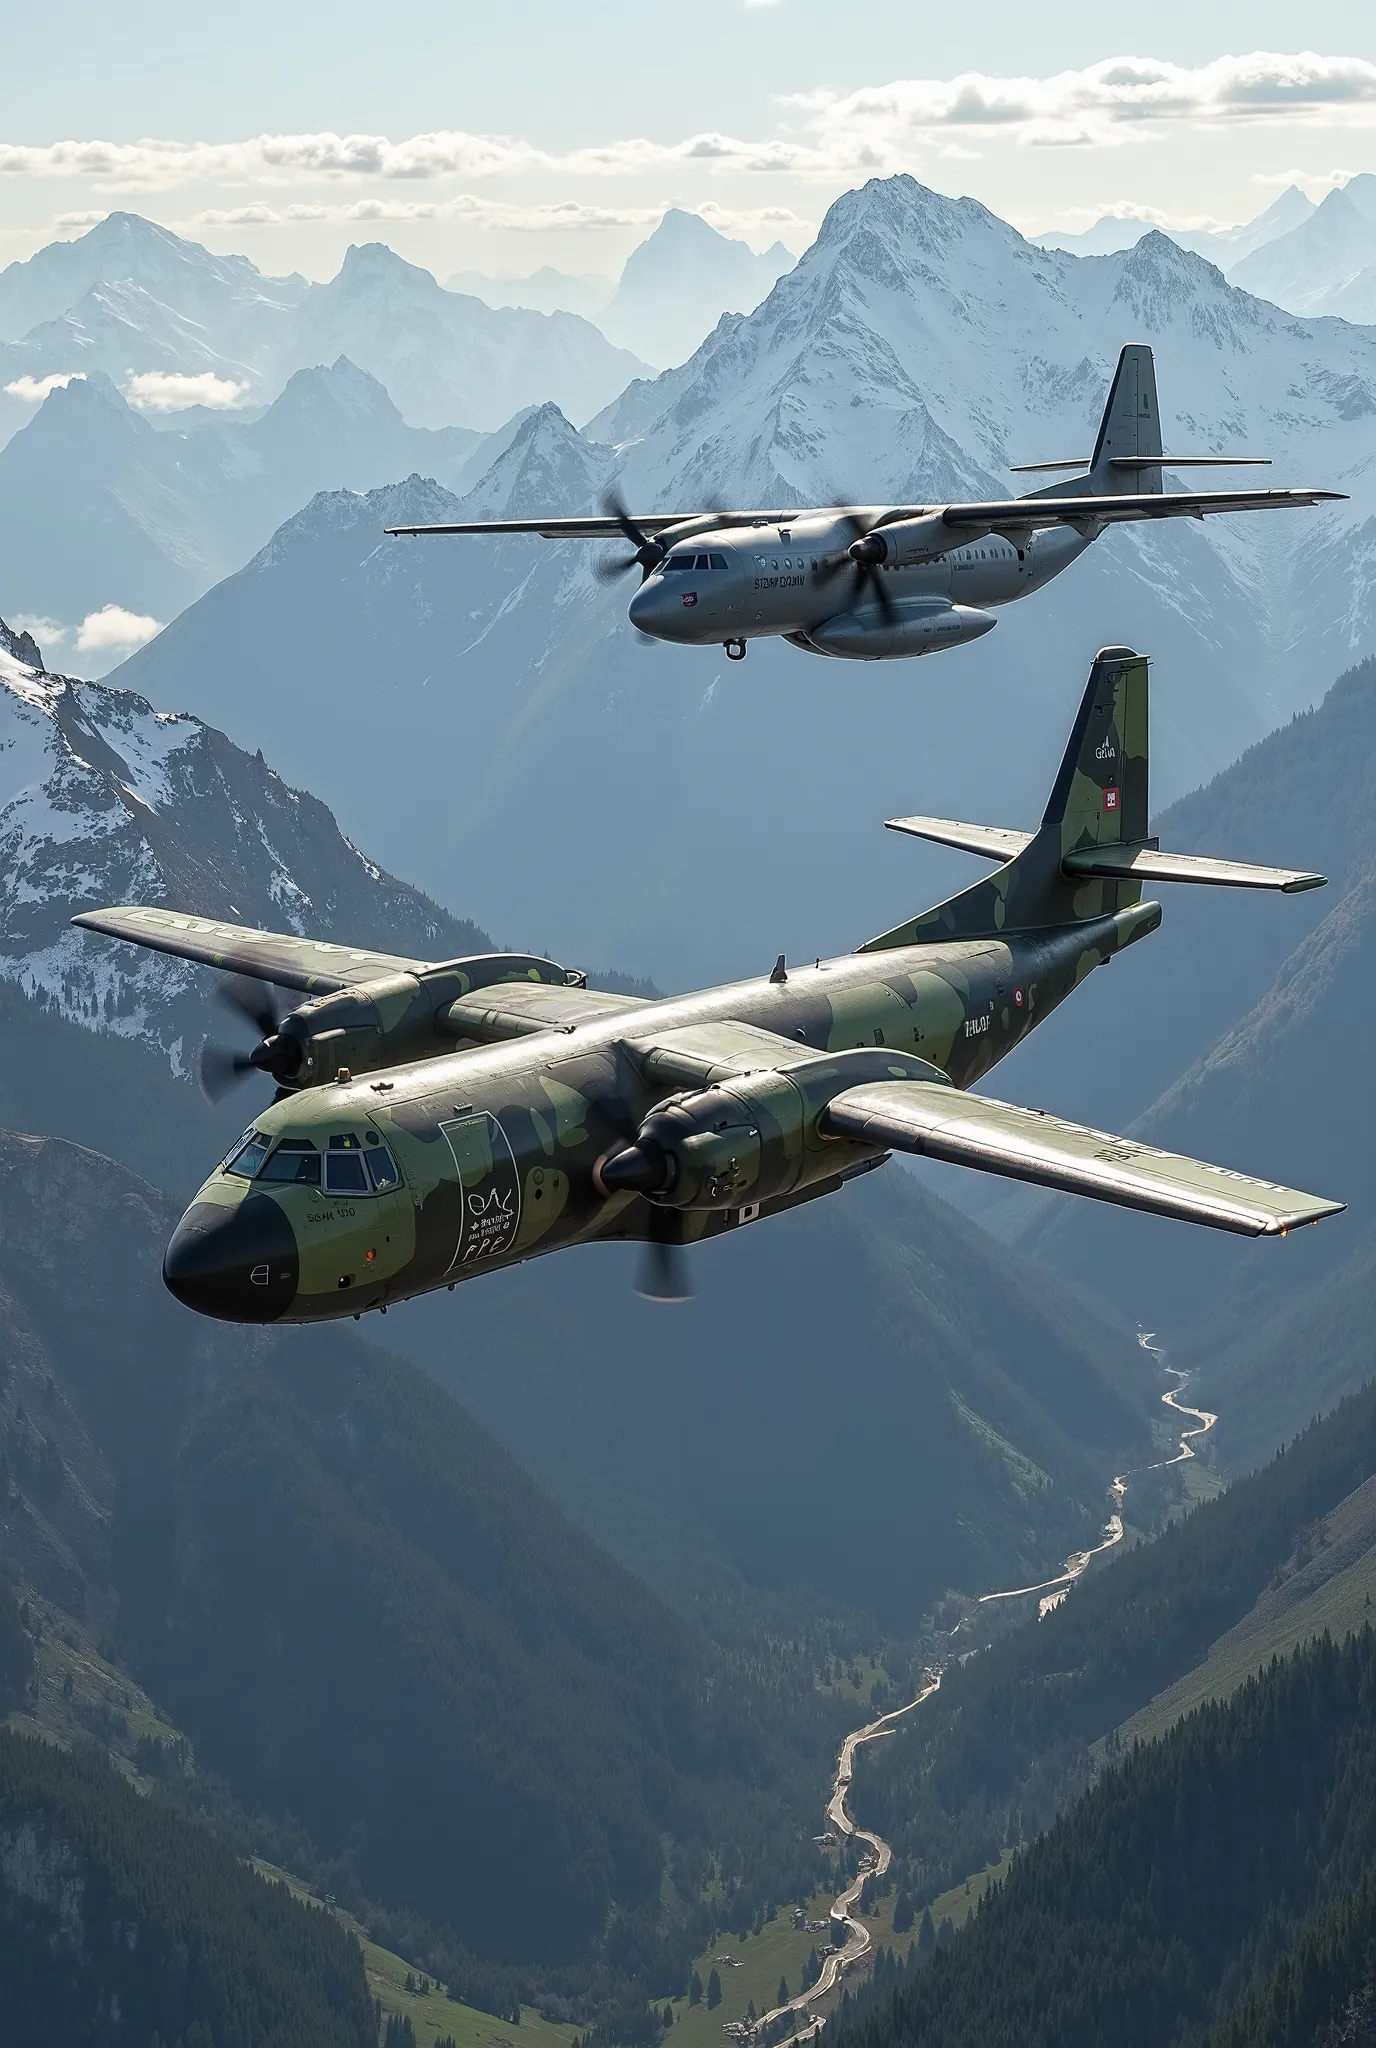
x=219, y=1068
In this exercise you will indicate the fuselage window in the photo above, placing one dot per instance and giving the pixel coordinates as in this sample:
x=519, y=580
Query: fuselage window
x=295, y=1159
x=249, y=1157
x=717, y=561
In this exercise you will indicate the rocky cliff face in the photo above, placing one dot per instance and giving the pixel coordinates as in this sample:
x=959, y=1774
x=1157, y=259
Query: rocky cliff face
x=104, y=800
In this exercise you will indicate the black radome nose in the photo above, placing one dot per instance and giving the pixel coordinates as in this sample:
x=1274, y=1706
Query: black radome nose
x=238, y=1264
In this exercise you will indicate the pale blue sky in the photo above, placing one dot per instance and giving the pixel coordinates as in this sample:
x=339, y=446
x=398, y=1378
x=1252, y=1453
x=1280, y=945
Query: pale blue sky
x=554, y=80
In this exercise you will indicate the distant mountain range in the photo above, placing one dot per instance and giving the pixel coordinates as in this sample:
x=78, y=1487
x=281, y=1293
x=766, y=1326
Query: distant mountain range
x=673, y=288
x=917, y=349
x=1312, y=259
x=99, y=506
x=132, y=299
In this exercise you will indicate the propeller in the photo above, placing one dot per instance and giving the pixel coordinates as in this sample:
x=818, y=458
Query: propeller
x=648, y=553
x=863, y=557
x=219, y=1068
x=662, y=1269
x=642, y=1168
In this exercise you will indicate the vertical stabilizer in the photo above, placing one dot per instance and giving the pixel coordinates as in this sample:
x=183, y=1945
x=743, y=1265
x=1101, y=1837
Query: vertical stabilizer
x=1099, y=799
x=1127, y=454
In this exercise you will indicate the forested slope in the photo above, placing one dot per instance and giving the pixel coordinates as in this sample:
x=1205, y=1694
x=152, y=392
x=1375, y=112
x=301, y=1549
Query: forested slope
x=1174, y=1885
x=122, y=1922
x=991, y=1759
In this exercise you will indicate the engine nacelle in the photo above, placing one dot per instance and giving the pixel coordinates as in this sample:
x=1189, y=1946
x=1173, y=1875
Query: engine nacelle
x=915, y=628
x=750, y=1138
x=388, y=1022
x=903, y=543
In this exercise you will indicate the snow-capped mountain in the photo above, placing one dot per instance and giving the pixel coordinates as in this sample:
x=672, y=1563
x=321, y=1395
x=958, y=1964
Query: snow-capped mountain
x=104, y=800
x=129, y=298
x=676, y=285
x=1325, y=265
x=97, y=506
x=686, y=815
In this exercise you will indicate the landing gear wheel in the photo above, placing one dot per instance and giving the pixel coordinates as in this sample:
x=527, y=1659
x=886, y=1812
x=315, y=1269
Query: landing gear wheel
x=735, y=650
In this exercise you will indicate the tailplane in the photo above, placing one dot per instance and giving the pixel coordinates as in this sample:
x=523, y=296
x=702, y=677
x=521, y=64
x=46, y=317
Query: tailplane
x=1092, y=852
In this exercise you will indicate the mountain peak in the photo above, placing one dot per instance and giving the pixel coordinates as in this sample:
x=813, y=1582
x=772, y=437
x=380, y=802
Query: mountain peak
x=546, y=466
x=21, y=648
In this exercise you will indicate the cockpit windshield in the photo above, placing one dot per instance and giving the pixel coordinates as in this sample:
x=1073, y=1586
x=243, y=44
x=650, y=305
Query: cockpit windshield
x=248, y=1155
x=350, y=1168
x=679, y=565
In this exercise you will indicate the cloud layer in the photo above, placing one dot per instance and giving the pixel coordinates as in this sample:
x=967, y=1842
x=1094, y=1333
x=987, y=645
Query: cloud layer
x=875, y=129
x=170, y=391
x=113, y=629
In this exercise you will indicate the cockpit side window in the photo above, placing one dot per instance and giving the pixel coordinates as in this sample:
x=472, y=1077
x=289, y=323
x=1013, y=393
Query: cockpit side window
x=295, y=1160
x=249, y=1155
x=678, y=565
x=344, y=1173
x=716, y=561
x=382, y=1168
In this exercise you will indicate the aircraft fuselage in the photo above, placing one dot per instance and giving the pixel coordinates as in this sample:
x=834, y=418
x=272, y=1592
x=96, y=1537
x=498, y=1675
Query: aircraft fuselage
x=740, y=584
x=361, y=1193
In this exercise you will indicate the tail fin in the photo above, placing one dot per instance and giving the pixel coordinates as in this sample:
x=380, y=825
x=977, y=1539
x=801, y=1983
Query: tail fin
x=1098, y=801
x=1130, y=430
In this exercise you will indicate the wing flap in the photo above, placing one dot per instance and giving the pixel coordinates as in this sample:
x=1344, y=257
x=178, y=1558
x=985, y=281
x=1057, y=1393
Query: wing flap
x=311, y=965
x=1149, y=865
x=1027, y=1144
x=995, y=842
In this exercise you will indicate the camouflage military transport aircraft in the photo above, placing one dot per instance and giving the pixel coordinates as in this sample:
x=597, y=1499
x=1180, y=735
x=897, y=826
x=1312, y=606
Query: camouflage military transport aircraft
x=433, y=1122
x=882, y=582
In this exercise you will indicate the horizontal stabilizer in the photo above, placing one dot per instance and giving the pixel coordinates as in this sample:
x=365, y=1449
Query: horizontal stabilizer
x=996, y=842
x=1146, y=864
x=1027, y=1144
x=1147, y=462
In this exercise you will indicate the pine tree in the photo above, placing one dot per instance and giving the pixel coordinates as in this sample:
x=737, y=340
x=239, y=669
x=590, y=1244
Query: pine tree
x=926, y=1933
x=903, y=1915
x=695, y=1989
x=781, y=1995
x=713, y=1990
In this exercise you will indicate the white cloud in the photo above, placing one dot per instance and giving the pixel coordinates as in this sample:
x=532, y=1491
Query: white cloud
x=47, y=632
x=493, y=213
x=878, y=128
x=1103, y=102
x=33, y=390
x=112, y=627
x=169, y=391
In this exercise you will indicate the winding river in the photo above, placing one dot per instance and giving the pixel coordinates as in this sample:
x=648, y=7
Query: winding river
x=852, y=1942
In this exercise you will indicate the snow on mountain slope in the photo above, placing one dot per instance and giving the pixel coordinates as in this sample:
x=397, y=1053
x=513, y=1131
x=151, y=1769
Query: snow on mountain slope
x=104, y=800
x=226, y=294
x=676, y=285
x=691, y=816
x=98, y=507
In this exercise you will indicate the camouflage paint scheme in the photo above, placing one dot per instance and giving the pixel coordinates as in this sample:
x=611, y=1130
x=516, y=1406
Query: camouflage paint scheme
x=507, y=1097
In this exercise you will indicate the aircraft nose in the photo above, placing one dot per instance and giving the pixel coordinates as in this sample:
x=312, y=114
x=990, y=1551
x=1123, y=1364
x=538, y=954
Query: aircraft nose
x=238, y=1264
x=647, y=608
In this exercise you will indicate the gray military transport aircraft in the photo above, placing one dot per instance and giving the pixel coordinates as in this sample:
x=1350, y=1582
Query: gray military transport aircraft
x=882, y=582
x=437, y=1120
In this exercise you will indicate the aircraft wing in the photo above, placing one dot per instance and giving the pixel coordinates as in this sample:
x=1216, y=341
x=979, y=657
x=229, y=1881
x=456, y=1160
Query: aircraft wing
x=311, y=965
x=1027, y=1144
x=607, y=529
x=996, y=515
